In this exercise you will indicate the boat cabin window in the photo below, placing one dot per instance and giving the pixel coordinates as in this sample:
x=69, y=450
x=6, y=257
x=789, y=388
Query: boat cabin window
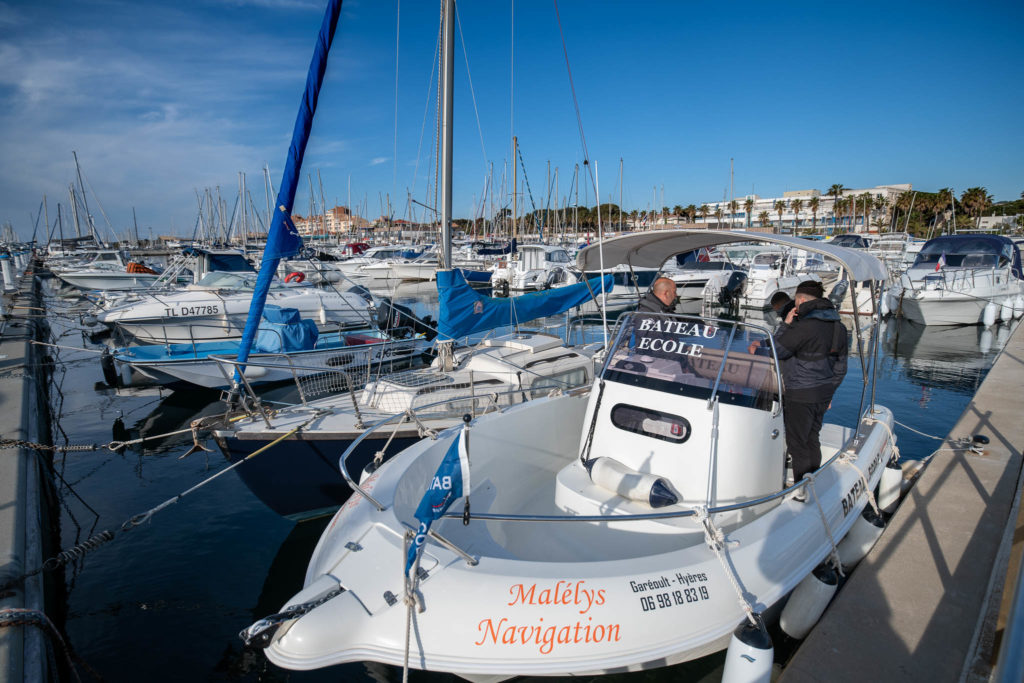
x=542, y=386
x=976, y=252
x=682, y=355
x=558, y=256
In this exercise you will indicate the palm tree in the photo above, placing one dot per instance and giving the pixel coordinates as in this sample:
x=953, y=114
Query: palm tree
x=836, y=191
x=704, y=211
x=976, y=200
x=796, y=205
x=780, y=206
x=813, y=204
x=764, y=217
x=881, y=204
x=677, y=210
x=838, y=209
x=664, y=215
x=718, y=216
x=691, y=212
x=748, y=206
x=734, y=206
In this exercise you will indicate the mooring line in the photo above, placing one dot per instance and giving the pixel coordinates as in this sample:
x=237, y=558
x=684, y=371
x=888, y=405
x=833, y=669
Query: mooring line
x=80, y=550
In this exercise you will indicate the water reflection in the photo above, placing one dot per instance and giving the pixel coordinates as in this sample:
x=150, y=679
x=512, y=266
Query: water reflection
x=954, y=358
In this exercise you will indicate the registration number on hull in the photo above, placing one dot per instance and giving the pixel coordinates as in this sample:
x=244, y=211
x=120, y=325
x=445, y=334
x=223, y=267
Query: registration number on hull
x=190, y=311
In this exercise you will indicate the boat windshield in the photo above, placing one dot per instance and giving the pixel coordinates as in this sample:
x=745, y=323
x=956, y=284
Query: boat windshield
x=707, y=265
x=227, y=280
x=683, y=355
x=979, y=252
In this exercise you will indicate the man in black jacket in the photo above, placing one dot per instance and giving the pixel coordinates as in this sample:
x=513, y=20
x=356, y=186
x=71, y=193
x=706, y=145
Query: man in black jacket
x=812, y=348
x=661, y=298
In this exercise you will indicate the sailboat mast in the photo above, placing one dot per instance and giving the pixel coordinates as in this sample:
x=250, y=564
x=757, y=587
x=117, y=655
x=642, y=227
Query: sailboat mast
x=448, y=73
x=515, y=189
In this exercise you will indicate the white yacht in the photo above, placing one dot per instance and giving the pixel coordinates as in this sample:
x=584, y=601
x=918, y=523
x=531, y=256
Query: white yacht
x=535, y=267
x=961, y=280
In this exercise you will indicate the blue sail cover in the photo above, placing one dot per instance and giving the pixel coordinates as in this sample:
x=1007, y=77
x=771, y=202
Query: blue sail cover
x=464, y=311
x=283, y=239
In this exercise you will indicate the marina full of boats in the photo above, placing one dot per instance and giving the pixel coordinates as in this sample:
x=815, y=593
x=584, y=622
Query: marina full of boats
x=510, y=488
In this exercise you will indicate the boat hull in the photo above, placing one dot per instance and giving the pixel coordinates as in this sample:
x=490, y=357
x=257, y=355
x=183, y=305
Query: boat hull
x=299, y=478
x=532, y=611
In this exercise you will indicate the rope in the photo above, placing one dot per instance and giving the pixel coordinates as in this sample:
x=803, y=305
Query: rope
x=378, y=457
x=423, y=429
x=19, y=616
x=891, y=436
x=908, y=427
x=834, y=553
x=715, y=540
x=412, y=600
x=140, y=519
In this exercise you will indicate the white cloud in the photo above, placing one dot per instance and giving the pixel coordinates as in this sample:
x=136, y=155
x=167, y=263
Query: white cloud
x=377, y=161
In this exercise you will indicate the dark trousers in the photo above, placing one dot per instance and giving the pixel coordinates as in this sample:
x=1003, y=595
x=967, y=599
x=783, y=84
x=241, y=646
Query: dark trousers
x=803, y=425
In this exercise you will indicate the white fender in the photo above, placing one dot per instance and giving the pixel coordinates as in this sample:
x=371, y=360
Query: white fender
x=639, y=486
x=988, y=317
x=1006, y=311
x=254, y=371
x=889, y=486
x=808, y=601
x=1018, y=306
x=750, y=655
x=886, y=309
x=861, y=538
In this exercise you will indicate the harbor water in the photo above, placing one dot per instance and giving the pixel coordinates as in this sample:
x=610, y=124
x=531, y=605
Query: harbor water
x=165, y=600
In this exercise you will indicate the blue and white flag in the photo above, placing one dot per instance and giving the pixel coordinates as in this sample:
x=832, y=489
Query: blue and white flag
x=448, y=484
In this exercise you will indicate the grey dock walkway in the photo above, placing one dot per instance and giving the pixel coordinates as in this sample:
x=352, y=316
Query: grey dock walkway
x=24, y=525
x=923, y=605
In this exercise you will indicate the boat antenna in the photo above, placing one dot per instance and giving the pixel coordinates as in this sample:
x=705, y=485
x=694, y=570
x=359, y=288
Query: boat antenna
x=603, y=303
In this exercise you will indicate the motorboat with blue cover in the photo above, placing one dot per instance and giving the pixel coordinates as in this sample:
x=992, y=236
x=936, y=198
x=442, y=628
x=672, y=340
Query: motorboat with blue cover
x=627, y=525
x=287, y=347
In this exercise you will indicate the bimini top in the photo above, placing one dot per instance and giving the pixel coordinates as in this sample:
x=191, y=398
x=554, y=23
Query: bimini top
x=652, y=249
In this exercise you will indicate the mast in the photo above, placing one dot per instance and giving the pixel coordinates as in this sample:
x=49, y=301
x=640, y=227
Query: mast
x=447, y=73
x=515, y=189
x=620, y=194
x=74, y=209
x=85, y=201
x=135, y=222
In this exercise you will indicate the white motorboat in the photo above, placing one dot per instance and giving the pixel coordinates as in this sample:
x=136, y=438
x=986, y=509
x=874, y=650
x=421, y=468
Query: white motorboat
x=535, y=267
x=626, y=526
x=217, y=310
x=106, y=270
x=768, y=274
x=693, y=277
x=961, y=280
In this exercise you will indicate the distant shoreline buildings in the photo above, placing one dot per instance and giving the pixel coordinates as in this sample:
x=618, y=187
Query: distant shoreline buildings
x=861, y=210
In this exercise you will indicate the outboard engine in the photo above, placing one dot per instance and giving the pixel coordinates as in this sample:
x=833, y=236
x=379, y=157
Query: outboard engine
x=838, y=293
x=402, y=322
x=361, y=291
x=729, y=295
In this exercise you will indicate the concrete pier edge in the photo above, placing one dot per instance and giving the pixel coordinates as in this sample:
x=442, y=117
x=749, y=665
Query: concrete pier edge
x=926, y=603
x=24, y=518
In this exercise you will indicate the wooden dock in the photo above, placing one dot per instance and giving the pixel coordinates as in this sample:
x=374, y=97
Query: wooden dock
x=925, y=604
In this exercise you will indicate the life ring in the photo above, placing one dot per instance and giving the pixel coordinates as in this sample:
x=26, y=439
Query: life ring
x=295, y=277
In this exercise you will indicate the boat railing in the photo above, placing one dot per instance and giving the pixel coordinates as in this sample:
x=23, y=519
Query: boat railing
x=397, y=418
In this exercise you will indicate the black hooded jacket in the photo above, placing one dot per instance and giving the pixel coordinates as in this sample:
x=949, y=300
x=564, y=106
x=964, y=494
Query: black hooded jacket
x=813, y=350
x=652, y=304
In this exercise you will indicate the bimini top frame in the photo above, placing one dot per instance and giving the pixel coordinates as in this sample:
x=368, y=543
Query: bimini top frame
x=651, y=249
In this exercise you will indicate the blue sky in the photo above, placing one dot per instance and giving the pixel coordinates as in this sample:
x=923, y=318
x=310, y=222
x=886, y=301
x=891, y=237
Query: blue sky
x=162, y=98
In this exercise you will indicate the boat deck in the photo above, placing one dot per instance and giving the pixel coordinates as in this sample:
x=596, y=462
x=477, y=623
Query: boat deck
x=925, y=603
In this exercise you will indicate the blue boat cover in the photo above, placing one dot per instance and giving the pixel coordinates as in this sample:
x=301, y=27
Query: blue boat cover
x=283, y=330
x=475, y=275
x=464, y=311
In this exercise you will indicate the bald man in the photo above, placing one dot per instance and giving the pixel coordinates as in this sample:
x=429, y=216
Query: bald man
x=661, y=298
